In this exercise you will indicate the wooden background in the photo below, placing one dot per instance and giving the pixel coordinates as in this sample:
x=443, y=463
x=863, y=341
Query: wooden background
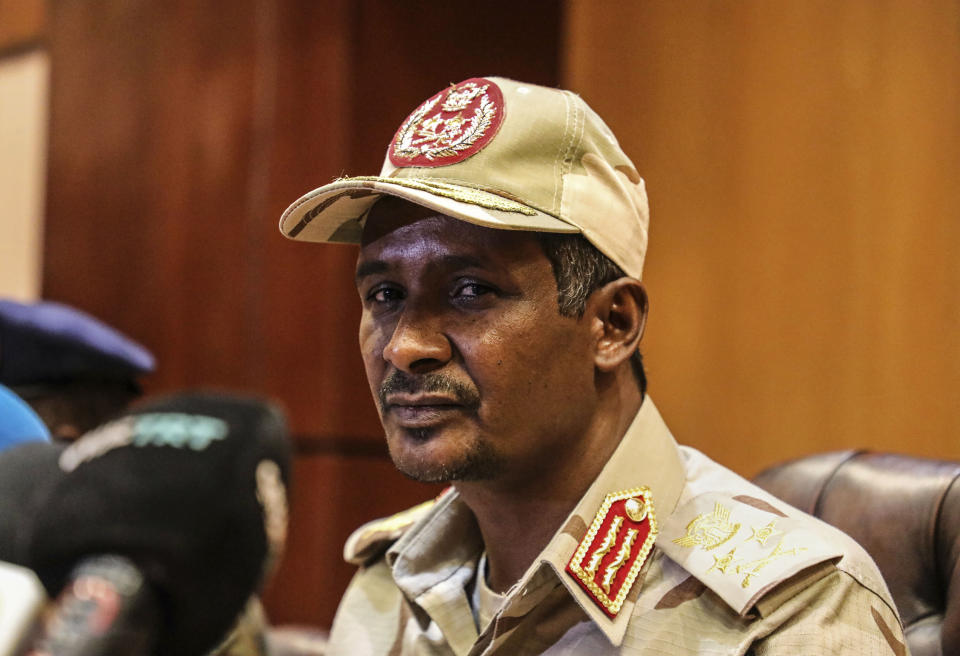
x=24, y=86
x=802, y=158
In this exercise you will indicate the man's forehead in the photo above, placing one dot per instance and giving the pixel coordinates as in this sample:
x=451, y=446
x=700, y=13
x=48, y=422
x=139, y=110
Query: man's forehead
x=407, y=222
x=403, y=232
x=389, y=214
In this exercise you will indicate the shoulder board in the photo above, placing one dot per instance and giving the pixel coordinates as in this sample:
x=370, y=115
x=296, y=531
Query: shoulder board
x=742, y=547
x=373, y=538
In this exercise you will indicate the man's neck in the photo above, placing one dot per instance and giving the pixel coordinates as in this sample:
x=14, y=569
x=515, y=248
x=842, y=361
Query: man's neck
x=518, y=519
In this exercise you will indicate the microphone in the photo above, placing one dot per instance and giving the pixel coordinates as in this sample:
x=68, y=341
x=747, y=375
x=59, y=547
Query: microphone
x=108, y=609
x=26, y=473
x=191, y=490
x=21, y=601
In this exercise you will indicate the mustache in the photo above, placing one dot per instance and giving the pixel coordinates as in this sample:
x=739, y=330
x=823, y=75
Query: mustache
x=399, y=381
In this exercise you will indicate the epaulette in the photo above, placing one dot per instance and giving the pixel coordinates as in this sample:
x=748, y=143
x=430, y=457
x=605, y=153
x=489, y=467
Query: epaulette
x=742, y=547
x=373, y=538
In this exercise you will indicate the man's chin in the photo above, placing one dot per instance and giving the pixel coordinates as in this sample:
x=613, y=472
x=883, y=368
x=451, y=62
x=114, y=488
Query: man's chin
x=420, y=462
x=421, y=474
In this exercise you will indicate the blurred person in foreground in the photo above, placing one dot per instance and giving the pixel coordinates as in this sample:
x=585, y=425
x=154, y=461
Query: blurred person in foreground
x=77, y=373
x=499, y=271
x=74, y=370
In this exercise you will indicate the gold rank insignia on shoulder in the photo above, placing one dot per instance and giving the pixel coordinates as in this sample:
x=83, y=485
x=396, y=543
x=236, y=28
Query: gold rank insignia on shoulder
x=709, y=530
x=740, y=546
x=611, y=554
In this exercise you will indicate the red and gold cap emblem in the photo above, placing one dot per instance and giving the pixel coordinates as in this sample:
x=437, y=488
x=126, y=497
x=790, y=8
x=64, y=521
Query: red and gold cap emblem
x=613, y=551
x=450, y=126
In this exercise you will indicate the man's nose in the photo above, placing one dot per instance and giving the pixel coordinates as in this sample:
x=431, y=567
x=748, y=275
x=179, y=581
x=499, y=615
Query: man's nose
x=418, y=344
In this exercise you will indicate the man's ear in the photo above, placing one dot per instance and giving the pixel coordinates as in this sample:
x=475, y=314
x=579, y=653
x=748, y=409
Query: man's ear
x=618, y=311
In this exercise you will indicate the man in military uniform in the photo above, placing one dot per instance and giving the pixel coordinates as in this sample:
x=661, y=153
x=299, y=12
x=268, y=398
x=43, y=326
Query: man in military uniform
x=501, y=253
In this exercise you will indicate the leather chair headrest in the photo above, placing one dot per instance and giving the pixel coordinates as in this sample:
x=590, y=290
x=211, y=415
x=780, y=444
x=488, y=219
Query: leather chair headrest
x=905, y=511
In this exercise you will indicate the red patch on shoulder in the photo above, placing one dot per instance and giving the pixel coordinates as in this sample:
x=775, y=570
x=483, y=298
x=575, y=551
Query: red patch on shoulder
x=609, y=558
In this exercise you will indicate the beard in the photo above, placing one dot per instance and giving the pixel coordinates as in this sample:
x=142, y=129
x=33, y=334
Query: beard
x=476, y=460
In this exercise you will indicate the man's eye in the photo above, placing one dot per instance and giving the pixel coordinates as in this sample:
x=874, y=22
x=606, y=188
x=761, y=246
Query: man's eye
x=385, y=295
x=471, y=290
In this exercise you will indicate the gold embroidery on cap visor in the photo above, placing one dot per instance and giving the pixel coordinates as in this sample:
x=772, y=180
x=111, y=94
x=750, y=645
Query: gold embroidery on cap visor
x=314, y=204
x=467, y=195
x=585, y=573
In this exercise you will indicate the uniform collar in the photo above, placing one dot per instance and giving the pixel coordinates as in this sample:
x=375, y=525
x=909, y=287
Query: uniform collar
x=646, y=456
x=439, y=552
x=434, y=563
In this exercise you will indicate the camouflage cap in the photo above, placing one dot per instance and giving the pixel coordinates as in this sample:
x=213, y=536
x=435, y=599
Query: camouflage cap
x=501, y=154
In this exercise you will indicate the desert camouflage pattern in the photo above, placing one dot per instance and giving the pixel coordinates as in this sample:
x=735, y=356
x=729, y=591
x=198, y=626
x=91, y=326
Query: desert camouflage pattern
x=733, y=571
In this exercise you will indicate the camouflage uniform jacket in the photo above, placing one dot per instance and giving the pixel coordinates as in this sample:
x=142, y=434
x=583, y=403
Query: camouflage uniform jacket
x=732, y=570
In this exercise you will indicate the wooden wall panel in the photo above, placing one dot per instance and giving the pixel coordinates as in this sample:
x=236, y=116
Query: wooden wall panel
x=307, y=352
x=801, y=160
x=24, y=100
x=407, y=51
x=22, y=24
x=150, y=147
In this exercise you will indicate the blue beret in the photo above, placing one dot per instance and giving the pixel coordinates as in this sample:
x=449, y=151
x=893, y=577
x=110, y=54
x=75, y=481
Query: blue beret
x=48, y=342
x=18, y=422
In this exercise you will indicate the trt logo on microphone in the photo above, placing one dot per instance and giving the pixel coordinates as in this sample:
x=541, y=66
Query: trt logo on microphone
x=172, y=429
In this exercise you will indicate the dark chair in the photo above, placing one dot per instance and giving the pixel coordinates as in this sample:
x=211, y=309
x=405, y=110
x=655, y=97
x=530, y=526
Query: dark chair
x=905, y=512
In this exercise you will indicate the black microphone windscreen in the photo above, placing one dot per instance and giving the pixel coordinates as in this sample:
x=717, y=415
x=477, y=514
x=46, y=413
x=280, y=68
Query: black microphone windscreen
x=28, y=473
x=189, y=488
